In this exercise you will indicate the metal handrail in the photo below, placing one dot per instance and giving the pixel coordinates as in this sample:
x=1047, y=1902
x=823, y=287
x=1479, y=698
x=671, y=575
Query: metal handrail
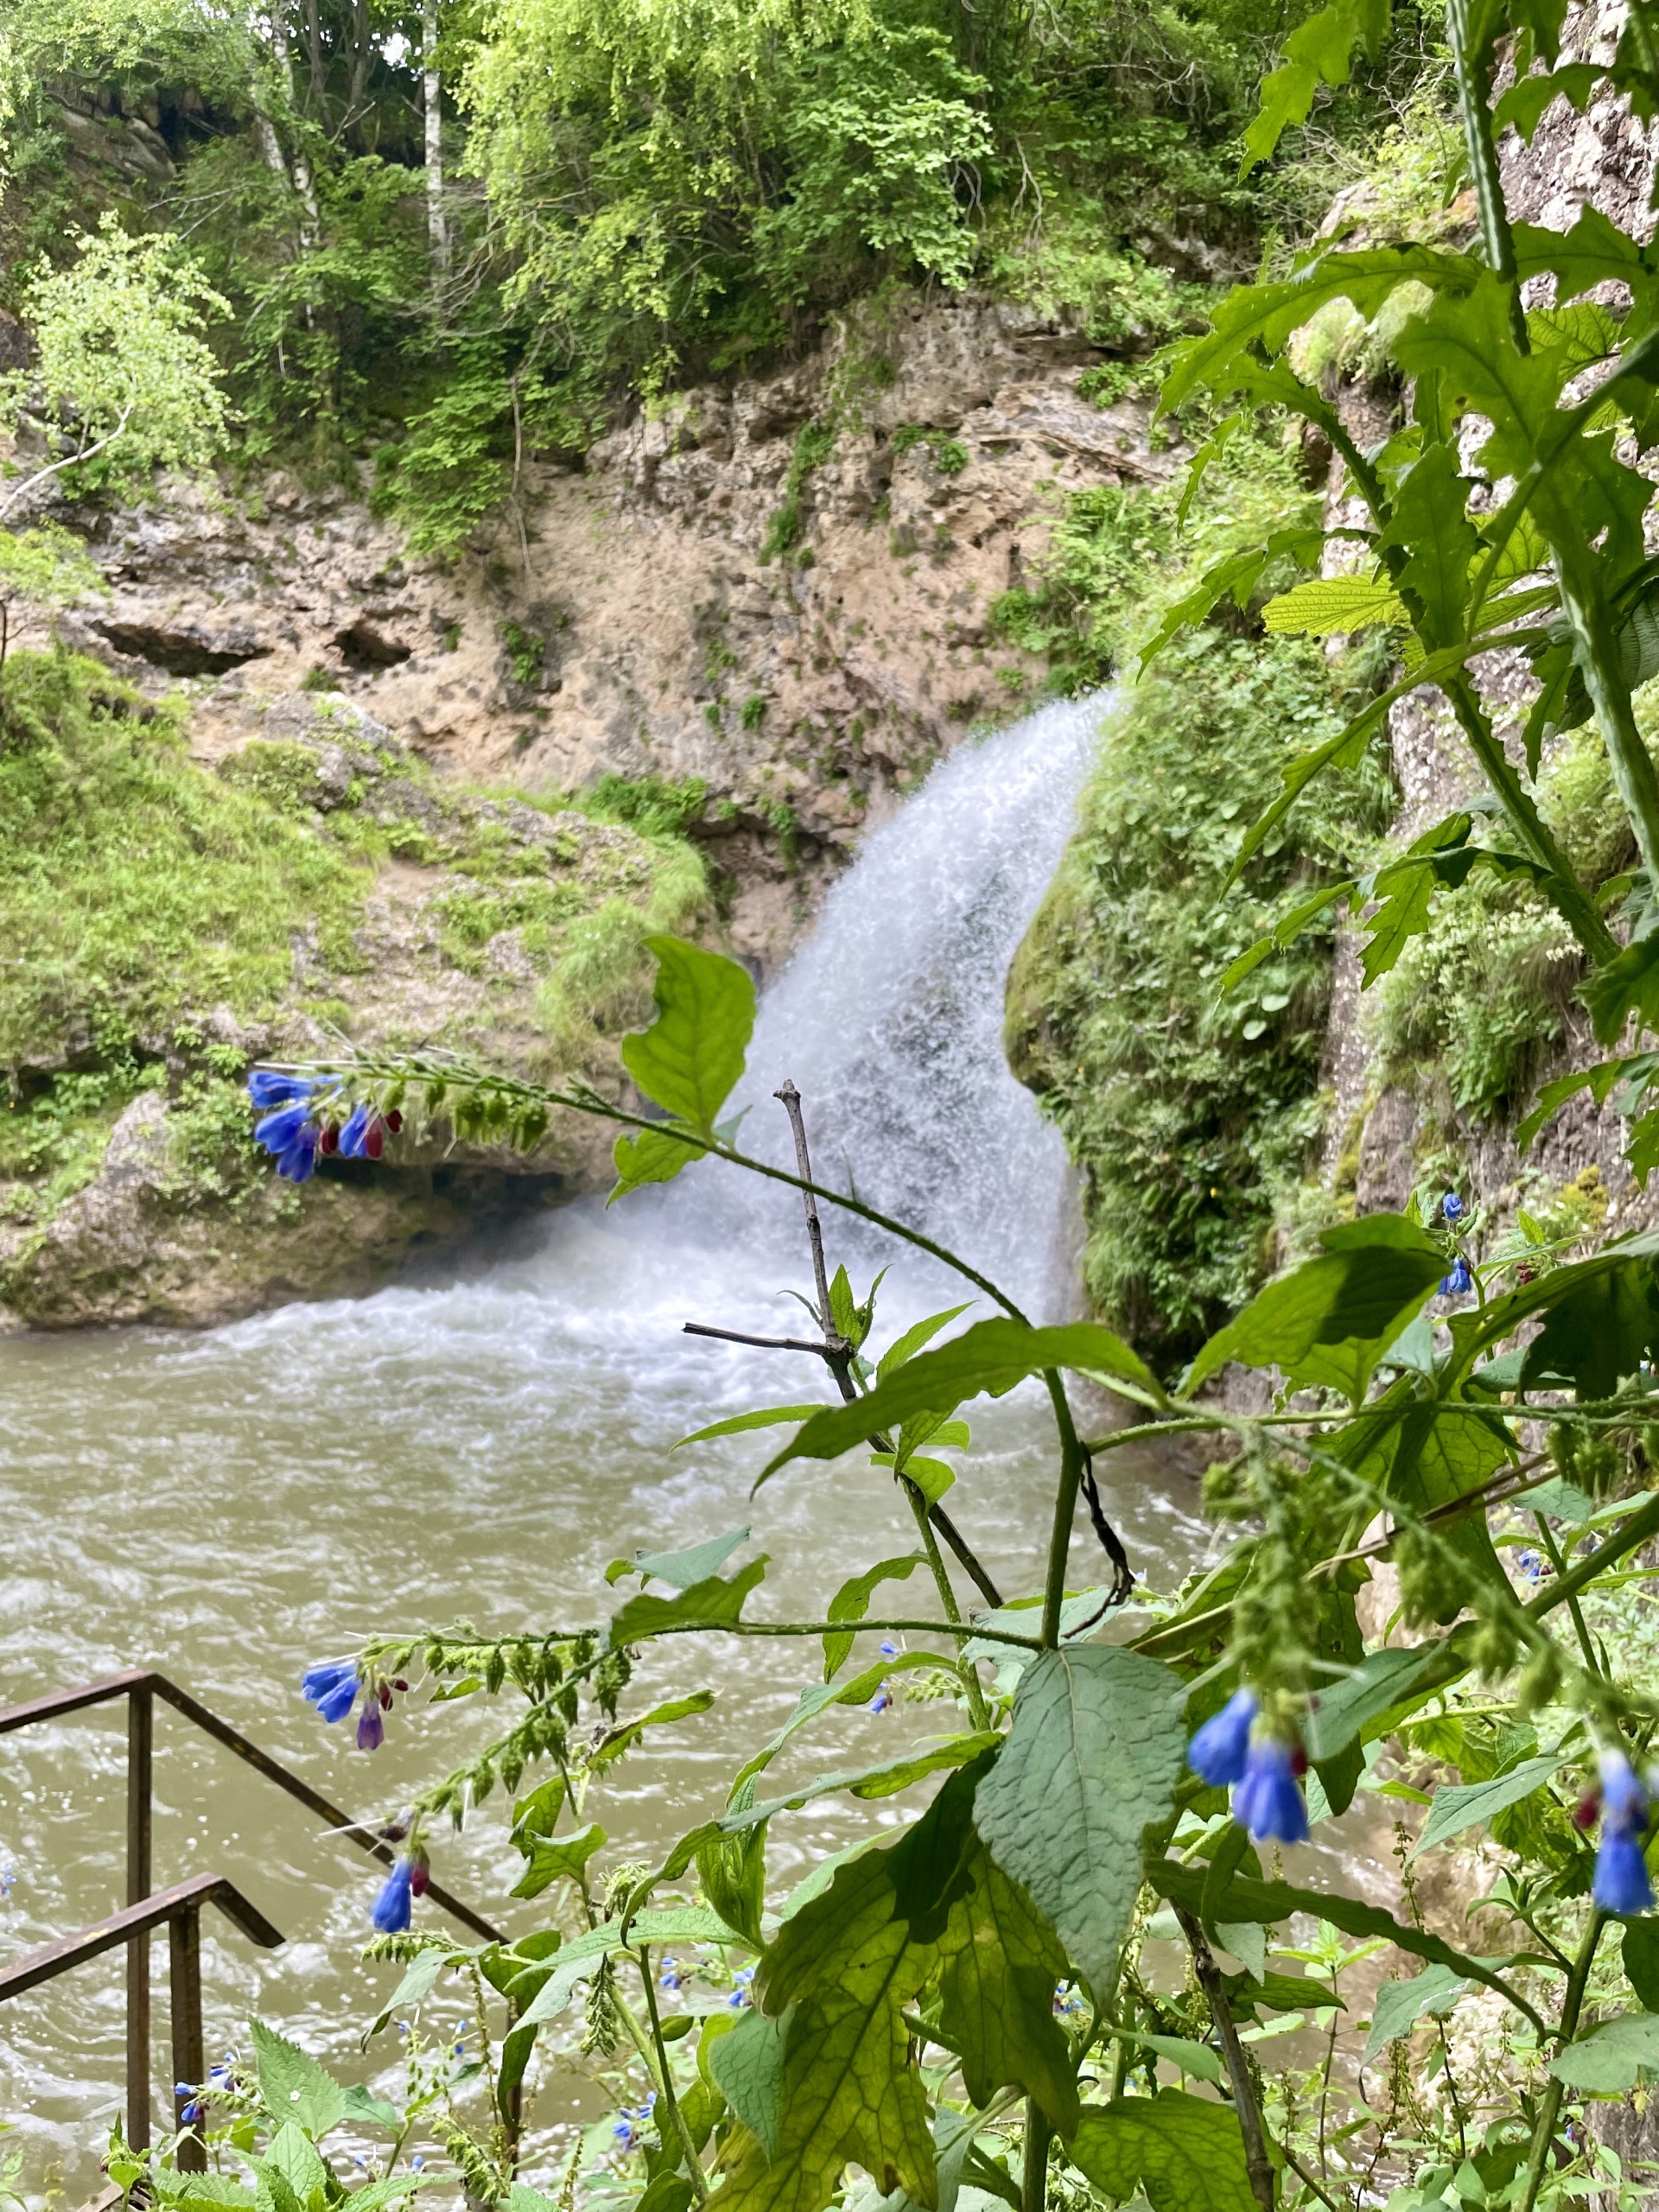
x=180, y=1906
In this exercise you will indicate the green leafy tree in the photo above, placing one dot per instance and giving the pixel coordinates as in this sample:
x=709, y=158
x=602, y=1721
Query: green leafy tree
x=123, y=377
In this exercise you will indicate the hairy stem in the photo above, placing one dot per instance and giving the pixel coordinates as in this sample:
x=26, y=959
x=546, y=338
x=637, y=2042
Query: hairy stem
x=1033, y=2173
x=1257, y=2163
x=1544, y=2134
x=666, y=2078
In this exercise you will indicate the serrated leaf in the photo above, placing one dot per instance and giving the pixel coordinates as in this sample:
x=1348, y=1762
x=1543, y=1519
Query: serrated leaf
x=1185, y=2152
x=1430, y=525
x=558, y=1861
x=1524, y=106
x=691, y=1056
x=1400, y=2005
x=711, y=1603
x=999, y=1964
x=220, y=2189
x=419, y=1980
x=991, y=1357
x=1097, y=1741
x=294, y=2085
x=292, y=2154
x=1470, y=1804
x=1332, y=606
x=852, y=1601
x=361, y=2103
x=1611, y=2059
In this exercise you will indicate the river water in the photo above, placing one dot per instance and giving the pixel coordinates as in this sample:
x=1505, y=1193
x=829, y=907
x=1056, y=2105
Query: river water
x=230, y=1506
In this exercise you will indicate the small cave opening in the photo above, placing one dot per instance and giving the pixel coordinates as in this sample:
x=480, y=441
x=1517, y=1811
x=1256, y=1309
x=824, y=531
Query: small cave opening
x=367, y=648
x=179, y=652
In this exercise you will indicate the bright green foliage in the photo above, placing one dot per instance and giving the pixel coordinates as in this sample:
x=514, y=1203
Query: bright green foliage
x=1000, y=1963
x=1097, y=1740
x=124, y=370
x=46, y=564
x=137, y=887
x=1183, y=1108
x=1185, y=2153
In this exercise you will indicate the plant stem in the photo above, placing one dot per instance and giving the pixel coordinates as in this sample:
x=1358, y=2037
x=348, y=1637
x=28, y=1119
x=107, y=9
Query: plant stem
x=1033, y=2173
x=1258, y=2164
x=1545, y=1537
x=1065, y=1508
x=1544, y=2134
x=978, y=1712
x=693, y=2163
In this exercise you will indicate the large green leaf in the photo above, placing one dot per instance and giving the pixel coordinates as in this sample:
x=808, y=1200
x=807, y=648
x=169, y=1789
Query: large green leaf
x=1334, y=606
x=683, y=1568
x=1430, y=525
x=841, y=1970
x=294, y=2085
x=650, y=1156
x=1466, y=1805
x=1093, y=1755
x=692, y=1054
x=1373, y=1276
x=991, y=1357
x=915, y=1339
x=1185, y=2152
x=1598, y=1334
x=1400, y=2005
x=292, y=2155
x=1612, y=2058
x=1000, y=1966
x=762, y=1417
x=711, y=1603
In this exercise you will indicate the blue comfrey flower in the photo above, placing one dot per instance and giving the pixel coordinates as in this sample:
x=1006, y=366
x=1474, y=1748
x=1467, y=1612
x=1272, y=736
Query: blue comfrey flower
x=1218, y=1751
x=882, y=1699
x=184, y=2089
x=418, y=2160
x=1452, y=1206
x=1621, y=1883
x=371, y=1729
x=354, y=1137
x=1269, y=1800
x=293, y=1137
x=332, y=1688
x=391, y=1909
x=267, y=1088
x=670, y=1977
x=1458, y=1281
x=1623, y=1800
x=888, y=1648
x=190, y=2113
x=739, y=1995
x=1530, y=1565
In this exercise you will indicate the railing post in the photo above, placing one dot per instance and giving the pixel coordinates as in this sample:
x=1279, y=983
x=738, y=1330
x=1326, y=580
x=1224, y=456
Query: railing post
x=184, y=1961
x=141, y=1734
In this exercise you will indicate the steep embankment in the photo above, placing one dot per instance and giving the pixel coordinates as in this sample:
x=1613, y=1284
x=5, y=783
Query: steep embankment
x=329, y=794
x=1214, y=1133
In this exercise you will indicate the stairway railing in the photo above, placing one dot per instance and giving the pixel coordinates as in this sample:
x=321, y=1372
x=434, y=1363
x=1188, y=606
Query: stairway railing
x=180, y=1907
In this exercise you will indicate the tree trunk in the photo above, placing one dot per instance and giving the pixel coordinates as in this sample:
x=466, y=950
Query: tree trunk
x=437, y=230
x=319, y=76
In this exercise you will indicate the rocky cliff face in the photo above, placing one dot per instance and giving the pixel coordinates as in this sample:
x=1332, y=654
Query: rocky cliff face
x=782, y=589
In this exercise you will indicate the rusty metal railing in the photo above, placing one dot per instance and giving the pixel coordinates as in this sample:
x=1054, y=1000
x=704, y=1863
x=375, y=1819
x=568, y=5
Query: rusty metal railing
x=180, y=1906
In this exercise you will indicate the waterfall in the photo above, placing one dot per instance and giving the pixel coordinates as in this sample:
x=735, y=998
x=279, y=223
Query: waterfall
x=889, y=1021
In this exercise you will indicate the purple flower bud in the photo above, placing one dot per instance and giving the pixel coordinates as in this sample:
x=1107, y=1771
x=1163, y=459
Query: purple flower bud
x=371, y=1729
x=391, y=1911
x=1217, y=1752
x=1268, y=1801
x=1452, y=1206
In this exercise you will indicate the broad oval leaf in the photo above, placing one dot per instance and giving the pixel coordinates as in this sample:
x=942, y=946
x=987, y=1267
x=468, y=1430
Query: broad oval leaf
x=1466, y=1805
x=693, y=1054
x=1093, y=1755
x=1185, y=2152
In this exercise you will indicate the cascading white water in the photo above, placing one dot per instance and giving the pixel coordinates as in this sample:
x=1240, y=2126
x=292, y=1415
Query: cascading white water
x=889, y=1021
